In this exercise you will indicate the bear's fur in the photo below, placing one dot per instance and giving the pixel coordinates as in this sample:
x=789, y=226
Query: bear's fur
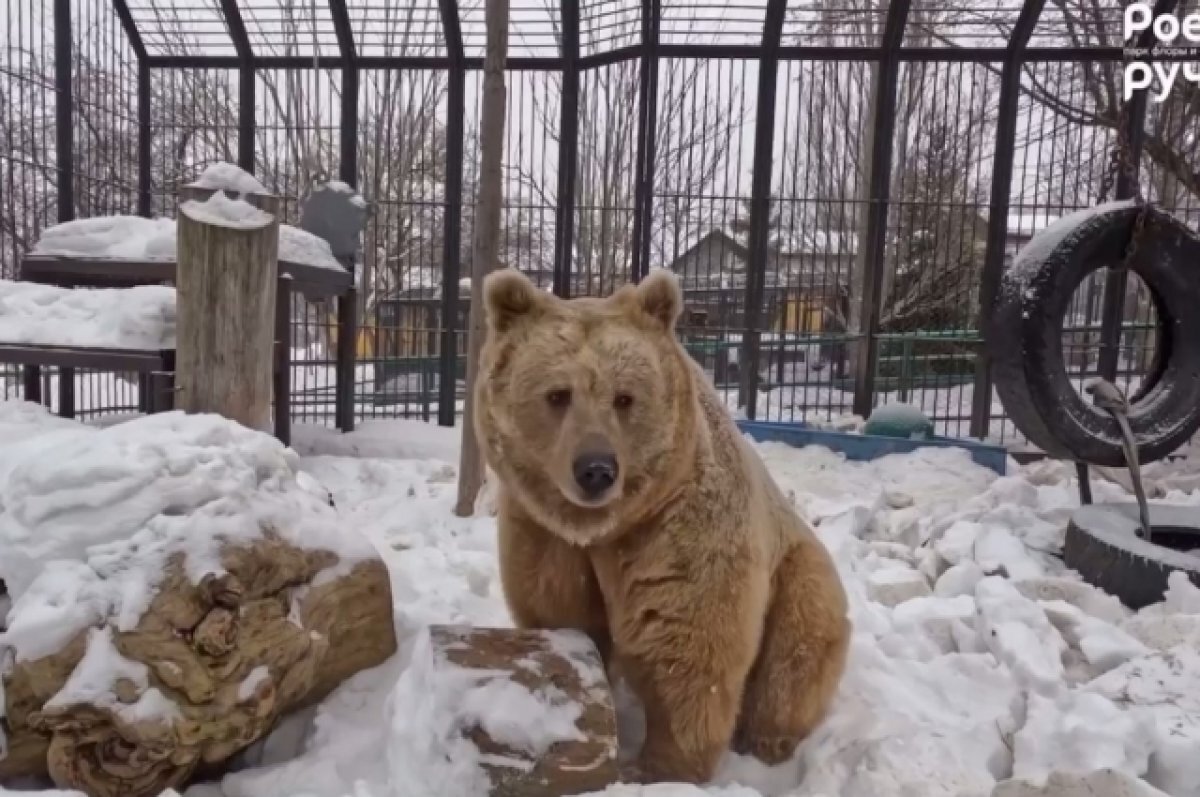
x=718, y=603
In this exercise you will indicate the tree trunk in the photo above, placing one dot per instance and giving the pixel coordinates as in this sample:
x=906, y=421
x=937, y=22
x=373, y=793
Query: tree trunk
x=225, y=301
x=485, y=247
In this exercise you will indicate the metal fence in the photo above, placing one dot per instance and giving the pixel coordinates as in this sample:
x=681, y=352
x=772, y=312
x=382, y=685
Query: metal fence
x=839, y=183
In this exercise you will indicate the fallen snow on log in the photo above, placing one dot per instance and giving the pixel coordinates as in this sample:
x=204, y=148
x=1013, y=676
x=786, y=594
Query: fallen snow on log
x=88, y=517
x=933, y=704
x=136, y=238
x=221, y=211
x=228, y=177
x=127, y=318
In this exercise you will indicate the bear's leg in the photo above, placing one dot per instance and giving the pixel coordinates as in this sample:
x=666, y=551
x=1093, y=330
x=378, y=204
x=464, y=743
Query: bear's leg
x=800, y=662
x=549, y=583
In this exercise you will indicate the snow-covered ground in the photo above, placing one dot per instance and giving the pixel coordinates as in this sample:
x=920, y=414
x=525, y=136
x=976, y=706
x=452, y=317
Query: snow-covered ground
x=977, y=658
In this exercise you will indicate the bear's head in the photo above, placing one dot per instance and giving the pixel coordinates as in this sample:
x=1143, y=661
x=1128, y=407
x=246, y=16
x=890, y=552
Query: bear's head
x=586, y=407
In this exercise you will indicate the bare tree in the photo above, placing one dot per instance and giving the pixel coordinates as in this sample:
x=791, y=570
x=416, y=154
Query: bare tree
x=486, y=239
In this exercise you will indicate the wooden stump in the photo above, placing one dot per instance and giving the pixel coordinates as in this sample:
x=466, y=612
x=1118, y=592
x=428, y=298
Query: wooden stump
x=562, y=666
x=208, y=670
x=227, y=252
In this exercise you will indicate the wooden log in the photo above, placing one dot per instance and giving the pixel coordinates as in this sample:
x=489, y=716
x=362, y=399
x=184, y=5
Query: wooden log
x=562, y=667
x=226, y=294
x=209, y=669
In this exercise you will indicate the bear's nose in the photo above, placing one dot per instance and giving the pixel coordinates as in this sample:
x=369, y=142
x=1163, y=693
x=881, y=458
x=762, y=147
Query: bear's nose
x=595, y=473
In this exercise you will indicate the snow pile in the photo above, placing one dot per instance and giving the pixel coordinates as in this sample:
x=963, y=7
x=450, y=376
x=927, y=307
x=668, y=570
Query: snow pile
x=221, y=211
x=980, y=666
x=88, y=517
x=118, y=318
x=136, y=238
x=228, y=177
x=345, y=188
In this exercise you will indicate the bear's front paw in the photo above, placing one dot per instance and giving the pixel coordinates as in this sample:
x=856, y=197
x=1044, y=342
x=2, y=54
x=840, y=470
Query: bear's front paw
x=771, y=750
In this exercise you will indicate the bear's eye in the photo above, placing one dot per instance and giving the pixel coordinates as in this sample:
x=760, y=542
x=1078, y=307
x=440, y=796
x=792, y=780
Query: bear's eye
x=558, y=398
x=623, y=401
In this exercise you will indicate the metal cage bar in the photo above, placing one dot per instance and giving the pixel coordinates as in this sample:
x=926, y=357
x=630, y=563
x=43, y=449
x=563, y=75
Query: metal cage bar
x=882, y=128
x=247, y=102
x=456, y=110
x=643, y=198
x=760, y=202
x=121, y=7
x=568, y=149
x=1117, y=280
x=1002, y=169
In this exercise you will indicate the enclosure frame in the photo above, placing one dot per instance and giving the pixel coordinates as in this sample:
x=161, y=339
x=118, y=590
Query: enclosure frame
x=649, y=51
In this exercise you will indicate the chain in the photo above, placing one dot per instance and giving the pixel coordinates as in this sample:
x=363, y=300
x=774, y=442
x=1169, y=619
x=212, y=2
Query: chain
x=1120, y=162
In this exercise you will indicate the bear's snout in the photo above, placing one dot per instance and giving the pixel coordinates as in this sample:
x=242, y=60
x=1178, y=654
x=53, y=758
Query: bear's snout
x=595, y=473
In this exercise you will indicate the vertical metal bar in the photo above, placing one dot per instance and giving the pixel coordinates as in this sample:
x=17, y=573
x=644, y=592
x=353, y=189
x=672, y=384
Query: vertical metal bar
x=348, y=128
x=882, y=126
x=283, y=358
x=643, y=199
x=347, y=344
x=31, y=375
x=568, y=149
x=1002, y=168
x=247, y=105
x=64, y=111
x=456, y=110
x=131, y=30
x=760, y=203
x=145, y=149
x=246, y=98
x=1116, y=281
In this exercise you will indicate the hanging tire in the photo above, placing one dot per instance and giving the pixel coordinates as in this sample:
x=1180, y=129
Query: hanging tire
x=1103, y=547
x=1024, y=335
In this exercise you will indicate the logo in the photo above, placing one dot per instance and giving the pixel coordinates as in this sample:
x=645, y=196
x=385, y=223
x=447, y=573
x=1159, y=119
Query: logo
x=1175, y=49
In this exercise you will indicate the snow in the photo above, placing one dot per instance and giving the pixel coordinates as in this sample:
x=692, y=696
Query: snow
x=221, y=211
x=100, y=673
x=1045, y=241
x=345, y=188
x=127, y=318
x=980, y=665
x=89, y=516
x=137, y=238
x=228, y=177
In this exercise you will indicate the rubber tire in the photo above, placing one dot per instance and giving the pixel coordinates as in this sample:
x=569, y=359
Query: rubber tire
x=1024, y=336
x=1103, y=546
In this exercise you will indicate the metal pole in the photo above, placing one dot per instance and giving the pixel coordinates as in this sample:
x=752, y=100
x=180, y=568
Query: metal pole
x=246, y=100
x=1117, y=280
x=568, y=150
x=874, y=243
x=144, y=148
x=64, y=110
x=760, y=203
x=643, y=199
x=993, y=264
x=456, y=110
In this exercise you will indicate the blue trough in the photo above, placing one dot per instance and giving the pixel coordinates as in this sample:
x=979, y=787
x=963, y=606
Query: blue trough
x=864, y=447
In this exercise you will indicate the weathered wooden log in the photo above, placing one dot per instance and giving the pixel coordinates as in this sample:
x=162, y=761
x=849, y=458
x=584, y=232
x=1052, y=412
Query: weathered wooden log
x=227, y=252
x=559, y=673
x=207, y=671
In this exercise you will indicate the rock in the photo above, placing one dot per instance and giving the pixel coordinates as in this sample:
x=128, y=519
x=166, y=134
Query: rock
x=208, y=669
x=536, y=705
x=894, y=585
x=1101, y=783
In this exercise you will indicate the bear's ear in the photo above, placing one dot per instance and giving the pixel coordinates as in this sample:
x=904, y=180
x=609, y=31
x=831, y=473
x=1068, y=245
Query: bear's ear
x=660, y=297
x=507, y=295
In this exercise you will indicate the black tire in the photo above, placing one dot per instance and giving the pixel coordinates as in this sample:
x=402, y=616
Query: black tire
x=1103, y=546
x=1024, y=336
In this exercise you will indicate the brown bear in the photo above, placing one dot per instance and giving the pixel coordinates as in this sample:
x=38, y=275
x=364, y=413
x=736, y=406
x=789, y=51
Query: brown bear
x=631, y=508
